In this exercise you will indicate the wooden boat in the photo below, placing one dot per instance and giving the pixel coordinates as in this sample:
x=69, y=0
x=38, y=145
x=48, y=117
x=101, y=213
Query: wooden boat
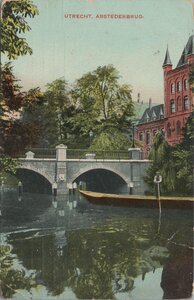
x=137, y=201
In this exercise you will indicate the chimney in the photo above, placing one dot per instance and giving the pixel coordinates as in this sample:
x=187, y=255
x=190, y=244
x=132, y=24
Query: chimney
x=138, y=97
x=150, y=103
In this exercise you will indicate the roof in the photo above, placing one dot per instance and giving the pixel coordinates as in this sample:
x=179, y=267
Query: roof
x=153, y=113
x=167, y=60
x=188, y=50
x=190, y=45
x=182, y=60
x=139, y=108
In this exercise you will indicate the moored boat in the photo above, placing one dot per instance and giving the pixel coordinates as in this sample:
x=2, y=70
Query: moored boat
x=136, y=200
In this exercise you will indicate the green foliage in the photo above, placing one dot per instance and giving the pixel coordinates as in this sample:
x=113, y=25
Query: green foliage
x=184, y=175
x=161, y=155
x=108, y=99
x=188, y=132
x=57, y=94
x=14, y=25
x=183, y=155
x=51, y=112
x=96, y=103
x=175, y=164
x=56, y=112
x=110, y=139
x=8, y=164
x=101, y=103
x=66, y=122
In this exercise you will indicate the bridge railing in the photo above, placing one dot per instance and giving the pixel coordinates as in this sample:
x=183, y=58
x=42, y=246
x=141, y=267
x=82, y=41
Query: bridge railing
x=97, y=154
x=42, y=152
x=78, y=154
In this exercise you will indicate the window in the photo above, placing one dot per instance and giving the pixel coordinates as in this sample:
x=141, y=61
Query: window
x=178, y=86
x=185, y=84
x=169, y=130
x=153, y=115
x=162, y=132
x=147, y=137
x=161, y=113
x=147, y=117
x=141, y=136
x=178, y=128
x=172, y=106
x=172, y=88
x=154, y=132
x=147, y=152
x=178, y=104
x=161, y=116
x=186, y=103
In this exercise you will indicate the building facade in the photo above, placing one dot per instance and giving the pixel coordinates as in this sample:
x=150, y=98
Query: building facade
x=170, y=117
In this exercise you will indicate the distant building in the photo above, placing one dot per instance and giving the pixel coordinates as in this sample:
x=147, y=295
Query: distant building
x=170, y=117
x=140, y=106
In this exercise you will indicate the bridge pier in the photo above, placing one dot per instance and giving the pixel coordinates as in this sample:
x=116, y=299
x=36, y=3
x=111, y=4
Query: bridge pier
x=61, y=169
x=135, y=153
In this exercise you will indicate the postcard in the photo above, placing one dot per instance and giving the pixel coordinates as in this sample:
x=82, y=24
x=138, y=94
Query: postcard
x=96, y=149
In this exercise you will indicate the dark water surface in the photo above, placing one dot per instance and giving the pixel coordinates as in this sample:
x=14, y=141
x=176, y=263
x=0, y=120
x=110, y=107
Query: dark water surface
x=69, y=249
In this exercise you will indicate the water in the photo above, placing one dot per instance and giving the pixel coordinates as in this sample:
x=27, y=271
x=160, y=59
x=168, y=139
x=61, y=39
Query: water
x=69, y=249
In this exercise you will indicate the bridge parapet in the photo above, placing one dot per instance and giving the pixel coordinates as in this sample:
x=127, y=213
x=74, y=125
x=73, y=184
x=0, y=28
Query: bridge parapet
x=39, y=153
x=61, y=153
x=104, y=155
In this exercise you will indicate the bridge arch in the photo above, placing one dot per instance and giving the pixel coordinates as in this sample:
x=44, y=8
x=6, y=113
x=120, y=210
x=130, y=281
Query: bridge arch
x=102, y=180
x=106, y=168
x=40, y=171
x=34, y=181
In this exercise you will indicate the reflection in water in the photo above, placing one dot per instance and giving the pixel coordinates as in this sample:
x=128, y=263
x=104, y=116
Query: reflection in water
x=89, y=252
x=177, y=275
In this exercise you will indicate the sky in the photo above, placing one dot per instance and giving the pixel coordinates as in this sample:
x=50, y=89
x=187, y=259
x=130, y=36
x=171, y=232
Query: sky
x=68, y=48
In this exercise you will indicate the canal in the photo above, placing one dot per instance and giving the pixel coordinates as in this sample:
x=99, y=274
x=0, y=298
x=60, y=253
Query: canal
x=66, y=248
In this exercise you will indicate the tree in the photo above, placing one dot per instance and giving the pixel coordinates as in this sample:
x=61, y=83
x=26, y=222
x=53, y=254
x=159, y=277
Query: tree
x=107, y=104
x=110, y=139
x=183, y=155
x=162, y=162
x=175, y=164
x=7, y=165
x=58, y=105
x=52, y=113
x=13, y=24
x=15, y=135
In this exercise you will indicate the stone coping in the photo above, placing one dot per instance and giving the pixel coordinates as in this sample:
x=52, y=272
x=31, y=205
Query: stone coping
x=86, y=160
x=110, y=160
x=36, y=159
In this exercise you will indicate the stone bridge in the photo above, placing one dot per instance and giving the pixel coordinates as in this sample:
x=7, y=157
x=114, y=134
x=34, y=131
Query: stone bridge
x=122, y=175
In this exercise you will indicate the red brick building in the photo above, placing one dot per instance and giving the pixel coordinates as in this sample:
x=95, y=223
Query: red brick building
x=171, y=116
